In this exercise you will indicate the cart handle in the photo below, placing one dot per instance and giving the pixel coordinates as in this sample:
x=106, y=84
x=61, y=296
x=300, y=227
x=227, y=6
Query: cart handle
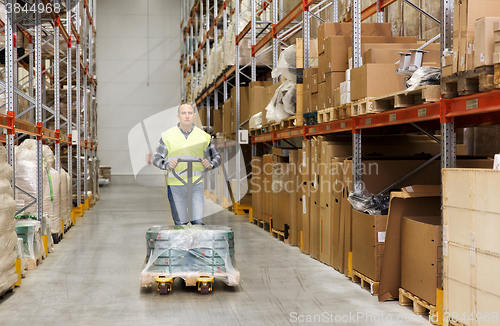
x=190, y=166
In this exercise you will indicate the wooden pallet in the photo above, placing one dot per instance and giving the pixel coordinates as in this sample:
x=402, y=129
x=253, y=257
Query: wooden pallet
x=262, y=224
x=280, y=235
x=310, y=118
x=481, y=79
x=292, y=122
x=403, y=99
x=327, y=115
x=420, y=307
x=344, y=111
x=452, y=323
x=148, y=278
x=365, y=281
x=361, y=107
x=32, y=264
x=256, y=132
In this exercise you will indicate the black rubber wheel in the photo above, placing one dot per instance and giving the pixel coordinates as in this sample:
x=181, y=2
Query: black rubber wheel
x=205, y=289
x=164, y=288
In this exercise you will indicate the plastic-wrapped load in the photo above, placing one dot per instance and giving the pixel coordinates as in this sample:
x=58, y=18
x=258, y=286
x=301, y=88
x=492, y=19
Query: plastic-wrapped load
x=65, y=209
x=283, y=103
x=20, y=255
x=26, y=179
x=31, y=233
x=369, y=203
x=424, y=76
x=229, y=46
x=189, y=252
x=287, y=64
x=256, y=121
x=220, y=58
x=8, y=237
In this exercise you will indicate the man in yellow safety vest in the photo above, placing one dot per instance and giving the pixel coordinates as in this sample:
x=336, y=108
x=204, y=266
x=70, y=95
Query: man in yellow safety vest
x=185, y=141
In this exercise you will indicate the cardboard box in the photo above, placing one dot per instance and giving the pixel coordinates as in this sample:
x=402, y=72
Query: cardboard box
x=333, y=80
x=336, y=49
x=496, y=57
x=305, y=172
x=308, y=78
x=421, y=256
x=227, y=114
x=281, y=213
x=314, y=84
x=368, y=239
x=471, y=248
x=307, y=97
x=322, y=92
x=267, y=172
x=415, y=201
x=281, y=151
x=261, y=83
x=365, y=81
x=326, y=201
x=345, y=29
x=380, y=53
x=313, y=51
x=256, y=181
x=496, y=36
x=258, y=100
x=484, y=41
x=294, y=180
x=314, y=102
x=470, y=55
x=244, y=107
x=217, y=121
x=300, y=206
x=346, y=220
x=314, y=223
x=337, y=247
x=336, y=97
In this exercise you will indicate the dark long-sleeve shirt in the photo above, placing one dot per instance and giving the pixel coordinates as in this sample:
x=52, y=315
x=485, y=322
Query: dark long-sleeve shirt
x=160, y=158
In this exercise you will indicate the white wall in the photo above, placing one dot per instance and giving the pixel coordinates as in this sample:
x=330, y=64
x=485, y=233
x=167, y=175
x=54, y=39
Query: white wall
x=124, y=96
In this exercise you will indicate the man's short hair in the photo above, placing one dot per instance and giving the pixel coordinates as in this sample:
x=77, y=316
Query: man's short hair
x=186, y=103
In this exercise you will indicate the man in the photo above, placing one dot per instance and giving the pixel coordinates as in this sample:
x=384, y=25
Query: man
x=185, y=141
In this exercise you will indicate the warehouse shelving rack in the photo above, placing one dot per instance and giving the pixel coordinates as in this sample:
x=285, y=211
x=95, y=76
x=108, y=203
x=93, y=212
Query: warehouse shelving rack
x=48, y=69
x=355, y=125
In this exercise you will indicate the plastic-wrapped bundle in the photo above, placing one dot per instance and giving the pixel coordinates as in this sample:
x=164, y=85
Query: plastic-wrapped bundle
x=229, y=46
x=283, y=103
x=220, y=58
x=65, y=209
x=189, y=252
x=26, y=179
x=368, y=203
x=20, y=255
x=424, y=76
x=8, y=237
x=30, y=231
x=287, y=64
x=256, y=121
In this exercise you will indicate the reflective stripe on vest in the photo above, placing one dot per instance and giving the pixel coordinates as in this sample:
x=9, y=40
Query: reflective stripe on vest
x=191, y=148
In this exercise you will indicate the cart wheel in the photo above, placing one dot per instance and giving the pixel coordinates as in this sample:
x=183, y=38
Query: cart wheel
x=205, y=288
x=164, y=288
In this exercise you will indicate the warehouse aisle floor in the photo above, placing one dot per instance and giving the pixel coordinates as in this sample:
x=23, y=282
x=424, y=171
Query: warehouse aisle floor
x=92, y=278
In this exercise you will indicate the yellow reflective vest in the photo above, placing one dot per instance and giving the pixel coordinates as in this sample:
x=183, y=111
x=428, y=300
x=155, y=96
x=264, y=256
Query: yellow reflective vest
x=180, y=147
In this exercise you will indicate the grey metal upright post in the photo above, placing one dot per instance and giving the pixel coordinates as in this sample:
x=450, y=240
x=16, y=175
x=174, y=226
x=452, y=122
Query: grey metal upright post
x=10, y=96
x=380, y=13
x=216, y=97
x=69, y=75
x=335, y=4
x=307, y=37
x=253, y=35
x=237, y=100
x=30, y=78
x=78, y=111
x=447, y=12
x=356, y=62
x=275, y=38
x=448, y=145
x=57, y=90
x=39, y=109
x=196, y=45
x=224, y=34
x=85, y=105
x=95, y=180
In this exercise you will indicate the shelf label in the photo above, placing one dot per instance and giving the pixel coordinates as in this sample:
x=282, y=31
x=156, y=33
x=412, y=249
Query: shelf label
x=342, y=125
x=368, y=121
x=472, y=104
x=289, y=133
x=313, y=129
x=422, y=112
x=392, y=117
x=328, y=128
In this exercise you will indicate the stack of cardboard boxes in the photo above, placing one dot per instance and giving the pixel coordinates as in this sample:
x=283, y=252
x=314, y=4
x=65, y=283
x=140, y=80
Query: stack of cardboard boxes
x=496, y=39
x=466, y=12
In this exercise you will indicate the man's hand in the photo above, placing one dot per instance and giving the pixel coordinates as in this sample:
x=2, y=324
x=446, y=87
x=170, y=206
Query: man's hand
x=206, y=164
x=173, y=164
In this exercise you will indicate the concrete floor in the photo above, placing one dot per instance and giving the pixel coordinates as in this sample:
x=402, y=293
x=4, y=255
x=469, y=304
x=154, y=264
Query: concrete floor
x=92, y=278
